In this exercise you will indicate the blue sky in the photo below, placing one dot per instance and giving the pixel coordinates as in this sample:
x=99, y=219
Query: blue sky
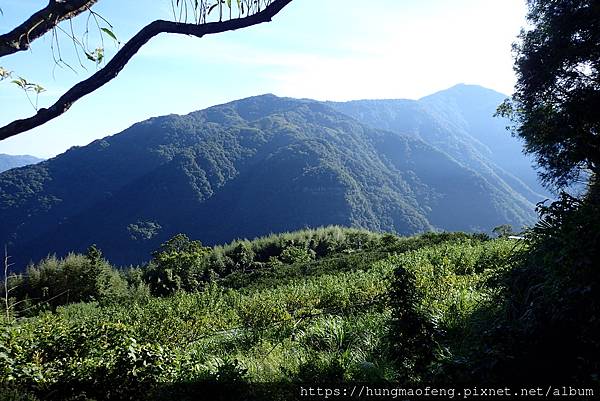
x=326, y=50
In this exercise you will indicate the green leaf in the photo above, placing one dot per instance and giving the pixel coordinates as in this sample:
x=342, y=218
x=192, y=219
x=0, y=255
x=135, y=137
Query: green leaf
x=99, y=53
x=110, y=33
x=38, y=88
x=21, y=82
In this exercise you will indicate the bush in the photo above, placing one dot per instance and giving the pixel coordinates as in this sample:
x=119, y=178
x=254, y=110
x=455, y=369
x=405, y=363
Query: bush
x=296, y=254
x=553, y=300
x=412, y=332
x=58, y=360
x=75, y=278
x=179, y=264
x=441, y=299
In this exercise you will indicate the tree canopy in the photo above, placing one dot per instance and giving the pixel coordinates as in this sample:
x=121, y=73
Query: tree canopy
x=191, y=17
x=557, y=96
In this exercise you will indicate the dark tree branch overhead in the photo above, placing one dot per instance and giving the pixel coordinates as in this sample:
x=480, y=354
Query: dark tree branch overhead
x=116, y=64
x=41, y=23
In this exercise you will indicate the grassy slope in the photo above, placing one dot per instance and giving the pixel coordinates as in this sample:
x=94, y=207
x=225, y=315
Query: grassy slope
x=321, y=320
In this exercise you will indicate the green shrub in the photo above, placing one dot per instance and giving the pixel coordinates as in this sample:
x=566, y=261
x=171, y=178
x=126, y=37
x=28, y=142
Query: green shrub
x=552, y=300
x=412, y=332
x=295, y=254
x=442, y=297
x=179, y=264
x=75, y=278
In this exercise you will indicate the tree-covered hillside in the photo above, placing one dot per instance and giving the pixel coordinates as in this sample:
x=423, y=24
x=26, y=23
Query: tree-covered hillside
x=460, y=122
x=251, y=167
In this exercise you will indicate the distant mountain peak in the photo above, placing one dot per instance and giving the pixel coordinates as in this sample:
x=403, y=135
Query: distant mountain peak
x=12, y=161
x=30, y=157
x=467, y=91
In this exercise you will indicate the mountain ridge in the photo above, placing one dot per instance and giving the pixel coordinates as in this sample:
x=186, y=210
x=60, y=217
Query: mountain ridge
x=242, y=169
x=8, y=162
x=484, y=147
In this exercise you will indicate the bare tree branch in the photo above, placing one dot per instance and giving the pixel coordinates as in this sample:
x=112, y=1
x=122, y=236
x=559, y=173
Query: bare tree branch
x=116, y=64
x=41, y=23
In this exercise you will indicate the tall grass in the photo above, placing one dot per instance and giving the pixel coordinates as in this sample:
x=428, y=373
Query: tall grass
x=327, y=319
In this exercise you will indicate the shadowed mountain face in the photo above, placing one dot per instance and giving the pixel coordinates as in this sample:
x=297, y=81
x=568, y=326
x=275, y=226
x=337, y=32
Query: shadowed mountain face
x=9, y=161
x=460, y=122
x=247, y=168
x=469, y=107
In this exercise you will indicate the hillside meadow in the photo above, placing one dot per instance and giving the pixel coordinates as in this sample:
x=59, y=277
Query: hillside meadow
x=310, y=306
x=260, y=319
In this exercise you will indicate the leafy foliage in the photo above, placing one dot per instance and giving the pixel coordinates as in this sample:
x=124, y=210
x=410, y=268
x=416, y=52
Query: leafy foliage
x=552, y=299
x=558, y=90
x=503, y=231
x=412, y=332
x=444, y=297
x=177, y=265
x=340, y=304
x=320, y=314
x=75, y=278
x=550, y=308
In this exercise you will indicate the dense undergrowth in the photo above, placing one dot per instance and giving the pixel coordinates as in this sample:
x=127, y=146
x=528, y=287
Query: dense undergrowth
x=326, y=305
x=550, y=329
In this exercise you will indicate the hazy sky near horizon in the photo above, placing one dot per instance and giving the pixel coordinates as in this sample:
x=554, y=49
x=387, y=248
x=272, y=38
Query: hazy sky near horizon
x=325, y=50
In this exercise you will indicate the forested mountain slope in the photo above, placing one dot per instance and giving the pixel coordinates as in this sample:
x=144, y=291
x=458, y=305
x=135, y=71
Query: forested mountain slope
x=460, y=122
x=246, y=168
